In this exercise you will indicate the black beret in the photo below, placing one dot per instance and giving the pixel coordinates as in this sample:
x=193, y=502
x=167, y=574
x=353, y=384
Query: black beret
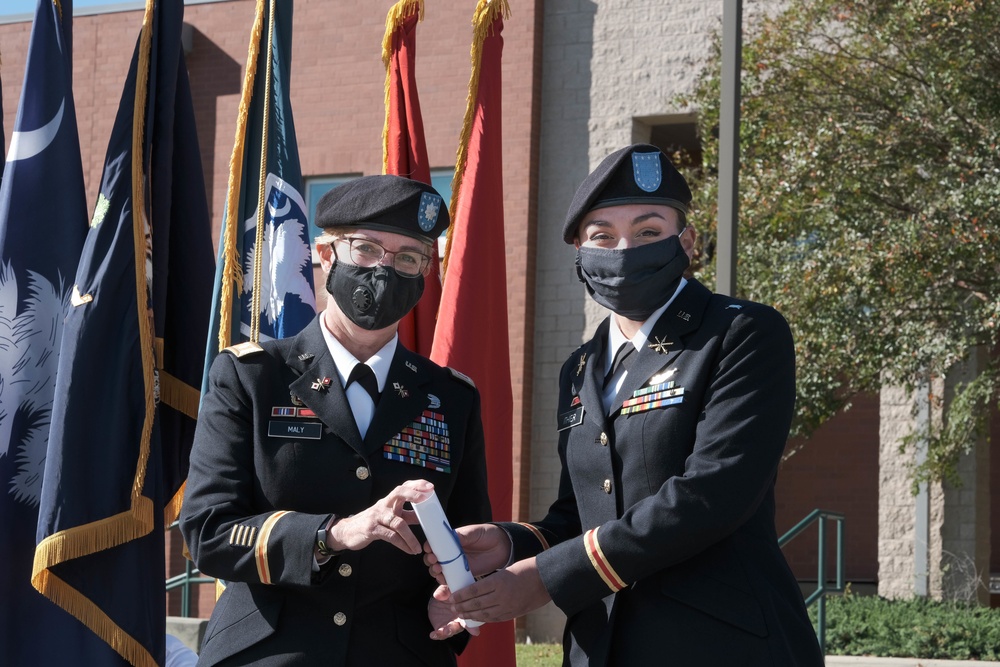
x=638, y=174
x=387, y=203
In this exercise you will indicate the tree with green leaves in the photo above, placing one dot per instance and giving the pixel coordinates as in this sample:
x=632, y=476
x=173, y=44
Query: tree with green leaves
x=870, y=197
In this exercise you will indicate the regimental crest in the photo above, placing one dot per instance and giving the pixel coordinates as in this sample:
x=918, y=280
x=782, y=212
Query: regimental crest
x=647, y=171
x=430, y=208
x=286, y=291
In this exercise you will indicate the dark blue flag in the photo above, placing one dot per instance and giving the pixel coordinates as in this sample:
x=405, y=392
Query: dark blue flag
x=264, y=275
x=43, y=221
x=121, y=420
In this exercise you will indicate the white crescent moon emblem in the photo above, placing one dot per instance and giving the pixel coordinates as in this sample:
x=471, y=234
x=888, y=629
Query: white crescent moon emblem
x=277, y=213
x=24, y=145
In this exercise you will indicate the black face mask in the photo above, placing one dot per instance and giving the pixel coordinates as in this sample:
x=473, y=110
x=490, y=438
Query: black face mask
x=636, y=281
x=373, y=297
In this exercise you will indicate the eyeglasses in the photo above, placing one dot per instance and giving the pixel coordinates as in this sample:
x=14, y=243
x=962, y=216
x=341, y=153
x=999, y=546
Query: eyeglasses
x=367, y=253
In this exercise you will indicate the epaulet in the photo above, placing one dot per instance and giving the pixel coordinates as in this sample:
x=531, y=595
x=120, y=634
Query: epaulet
x=462, y=376
x=246, y=349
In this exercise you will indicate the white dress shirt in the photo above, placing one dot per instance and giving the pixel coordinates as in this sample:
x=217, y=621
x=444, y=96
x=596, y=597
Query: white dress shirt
x=362, y=405
x=615, y=340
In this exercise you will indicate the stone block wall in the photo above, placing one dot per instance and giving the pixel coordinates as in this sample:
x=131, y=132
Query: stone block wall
x=957, y=541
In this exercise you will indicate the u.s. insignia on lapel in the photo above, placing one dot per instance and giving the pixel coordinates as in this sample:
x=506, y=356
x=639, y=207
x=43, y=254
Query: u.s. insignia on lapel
x=305, y=356
x=654, y=396
x=411, y=366
x=424, y=442
x=684, y=316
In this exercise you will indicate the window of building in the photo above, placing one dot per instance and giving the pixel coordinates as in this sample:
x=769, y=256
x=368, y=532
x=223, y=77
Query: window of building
x=318, y=186
x=441, y=180
x=676, y=135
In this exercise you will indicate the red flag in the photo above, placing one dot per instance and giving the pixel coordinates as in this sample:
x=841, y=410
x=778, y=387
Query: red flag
x=404, y=152
x=472, y=332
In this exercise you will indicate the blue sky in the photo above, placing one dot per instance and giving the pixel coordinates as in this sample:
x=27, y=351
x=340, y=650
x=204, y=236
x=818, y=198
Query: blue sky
x=10, y=7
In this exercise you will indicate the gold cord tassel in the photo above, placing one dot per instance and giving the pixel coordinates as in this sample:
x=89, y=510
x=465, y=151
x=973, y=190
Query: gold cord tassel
x=232, y=275
x=398, y=13
x=487, y=11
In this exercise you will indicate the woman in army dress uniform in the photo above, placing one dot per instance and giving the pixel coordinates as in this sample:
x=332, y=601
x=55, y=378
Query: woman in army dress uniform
x=308, y=449
x=660, y=547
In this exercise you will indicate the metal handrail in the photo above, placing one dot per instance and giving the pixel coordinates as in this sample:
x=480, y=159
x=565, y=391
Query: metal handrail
x=188, y=578
x=822, y=589
x=185, y=581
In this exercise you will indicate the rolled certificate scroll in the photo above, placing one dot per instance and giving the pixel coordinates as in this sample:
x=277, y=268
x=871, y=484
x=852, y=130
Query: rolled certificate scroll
x=445, y=545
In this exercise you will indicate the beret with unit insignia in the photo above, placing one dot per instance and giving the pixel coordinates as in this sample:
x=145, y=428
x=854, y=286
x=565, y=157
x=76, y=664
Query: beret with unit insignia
x=386, y=203
x=637, y=174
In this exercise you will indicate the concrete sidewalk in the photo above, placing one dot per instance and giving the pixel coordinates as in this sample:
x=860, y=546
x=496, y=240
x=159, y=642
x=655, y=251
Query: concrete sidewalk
x=864, y=661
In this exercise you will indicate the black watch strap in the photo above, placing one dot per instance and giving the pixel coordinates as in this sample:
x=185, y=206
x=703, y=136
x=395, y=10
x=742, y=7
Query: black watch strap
x=321, y=546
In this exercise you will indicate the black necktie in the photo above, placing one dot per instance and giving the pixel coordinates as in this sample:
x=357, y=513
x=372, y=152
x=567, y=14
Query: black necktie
x=365, y=376
x=623, y=359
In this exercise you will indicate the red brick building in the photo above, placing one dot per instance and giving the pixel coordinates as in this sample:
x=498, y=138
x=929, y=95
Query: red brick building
x=570, y=95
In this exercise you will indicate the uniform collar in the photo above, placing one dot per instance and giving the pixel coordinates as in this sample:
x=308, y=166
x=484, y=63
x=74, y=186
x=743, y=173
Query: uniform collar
x=616, y=337
x=345, y=361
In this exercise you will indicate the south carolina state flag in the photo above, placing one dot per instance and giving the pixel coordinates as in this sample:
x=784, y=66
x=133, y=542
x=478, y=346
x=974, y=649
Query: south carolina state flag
x=43, y=221
x=264, y=277
x=133, y=339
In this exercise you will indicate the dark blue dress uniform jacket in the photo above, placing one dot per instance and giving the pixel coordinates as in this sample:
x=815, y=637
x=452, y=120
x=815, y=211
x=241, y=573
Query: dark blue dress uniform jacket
x=661, y=547
x=254, y=503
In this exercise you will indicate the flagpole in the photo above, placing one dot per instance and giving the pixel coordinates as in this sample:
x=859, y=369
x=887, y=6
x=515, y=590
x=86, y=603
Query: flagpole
x=729, y=148
x=258, y=256
x=232, y=275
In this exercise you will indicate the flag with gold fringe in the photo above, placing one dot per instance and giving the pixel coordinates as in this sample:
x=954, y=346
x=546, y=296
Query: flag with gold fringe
x=264, y=276
x=404, y=151
x=43, y=221
x=471, y=335
x=137, y=310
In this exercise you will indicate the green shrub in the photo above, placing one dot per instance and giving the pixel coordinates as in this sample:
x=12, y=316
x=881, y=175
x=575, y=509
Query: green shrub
x=918, y=628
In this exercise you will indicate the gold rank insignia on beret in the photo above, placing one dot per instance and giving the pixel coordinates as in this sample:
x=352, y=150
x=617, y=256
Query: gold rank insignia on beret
x=244, y=349
x=463, y=377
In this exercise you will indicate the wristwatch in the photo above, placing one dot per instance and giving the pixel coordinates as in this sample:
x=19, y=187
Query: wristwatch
x=321, y=547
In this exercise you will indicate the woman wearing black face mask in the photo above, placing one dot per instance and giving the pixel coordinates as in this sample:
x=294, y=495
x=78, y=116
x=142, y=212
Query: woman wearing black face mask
x=309, y=448
x=661, y=547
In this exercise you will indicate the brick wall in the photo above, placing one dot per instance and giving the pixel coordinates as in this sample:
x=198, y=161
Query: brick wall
x=837, y=470
x=337, y=91
x=605, y=63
